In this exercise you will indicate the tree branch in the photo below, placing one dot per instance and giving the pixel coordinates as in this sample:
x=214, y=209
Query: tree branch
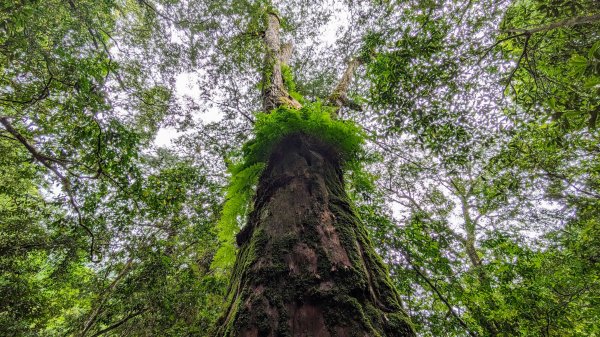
x=42, y=158
x=580, y=20
x=273, y=80
x=528, y=32
x=593, y=118
x=43, y=94
x=339, y=96
x=273, y=91
x=437, y=292
x=48, y=162
x=512, y=73
x=166, y=17
x=99, y=308
x=285, y=53
x=119, y=323
x=444, y=300
x=487, y=50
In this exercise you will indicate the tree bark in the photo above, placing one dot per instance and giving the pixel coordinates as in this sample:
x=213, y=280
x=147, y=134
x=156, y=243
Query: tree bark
x=306, y=266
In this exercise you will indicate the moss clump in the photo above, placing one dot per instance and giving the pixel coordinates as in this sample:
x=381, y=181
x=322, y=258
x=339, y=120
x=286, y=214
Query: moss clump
x=288, y=78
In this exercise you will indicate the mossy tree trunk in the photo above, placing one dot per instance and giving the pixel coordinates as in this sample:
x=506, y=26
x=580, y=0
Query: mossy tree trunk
x=306, y=266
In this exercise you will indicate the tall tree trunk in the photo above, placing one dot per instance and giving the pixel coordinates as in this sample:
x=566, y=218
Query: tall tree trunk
x=306, y=266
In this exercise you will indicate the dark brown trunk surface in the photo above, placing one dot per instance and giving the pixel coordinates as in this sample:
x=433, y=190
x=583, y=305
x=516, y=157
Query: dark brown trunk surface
x=306, y=266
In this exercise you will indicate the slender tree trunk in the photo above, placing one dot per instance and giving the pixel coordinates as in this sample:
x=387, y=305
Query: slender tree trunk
x=306, y=266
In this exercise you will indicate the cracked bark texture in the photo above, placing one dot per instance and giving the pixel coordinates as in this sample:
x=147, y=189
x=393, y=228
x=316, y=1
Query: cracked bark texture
x=306, y=266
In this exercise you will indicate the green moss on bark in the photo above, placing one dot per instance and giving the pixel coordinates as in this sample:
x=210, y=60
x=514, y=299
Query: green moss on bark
x=306, y=265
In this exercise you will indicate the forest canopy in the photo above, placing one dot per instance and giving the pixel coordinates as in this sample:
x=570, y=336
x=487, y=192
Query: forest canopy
x=133, y=132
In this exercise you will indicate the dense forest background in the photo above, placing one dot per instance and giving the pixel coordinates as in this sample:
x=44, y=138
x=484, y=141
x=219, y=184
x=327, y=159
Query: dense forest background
x=479, y=181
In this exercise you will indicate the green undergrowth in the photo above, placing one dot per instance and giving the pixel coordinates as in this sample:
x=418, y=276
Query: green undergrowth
x=314, y=119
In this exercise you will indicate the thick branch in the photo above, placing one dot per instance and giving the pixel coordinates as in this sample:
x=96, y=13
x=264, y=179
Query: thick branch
x=42, y=158
x=469, y=225
x=286, y=52
x=339, y=96
x=274, y=93
x=273, y=81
